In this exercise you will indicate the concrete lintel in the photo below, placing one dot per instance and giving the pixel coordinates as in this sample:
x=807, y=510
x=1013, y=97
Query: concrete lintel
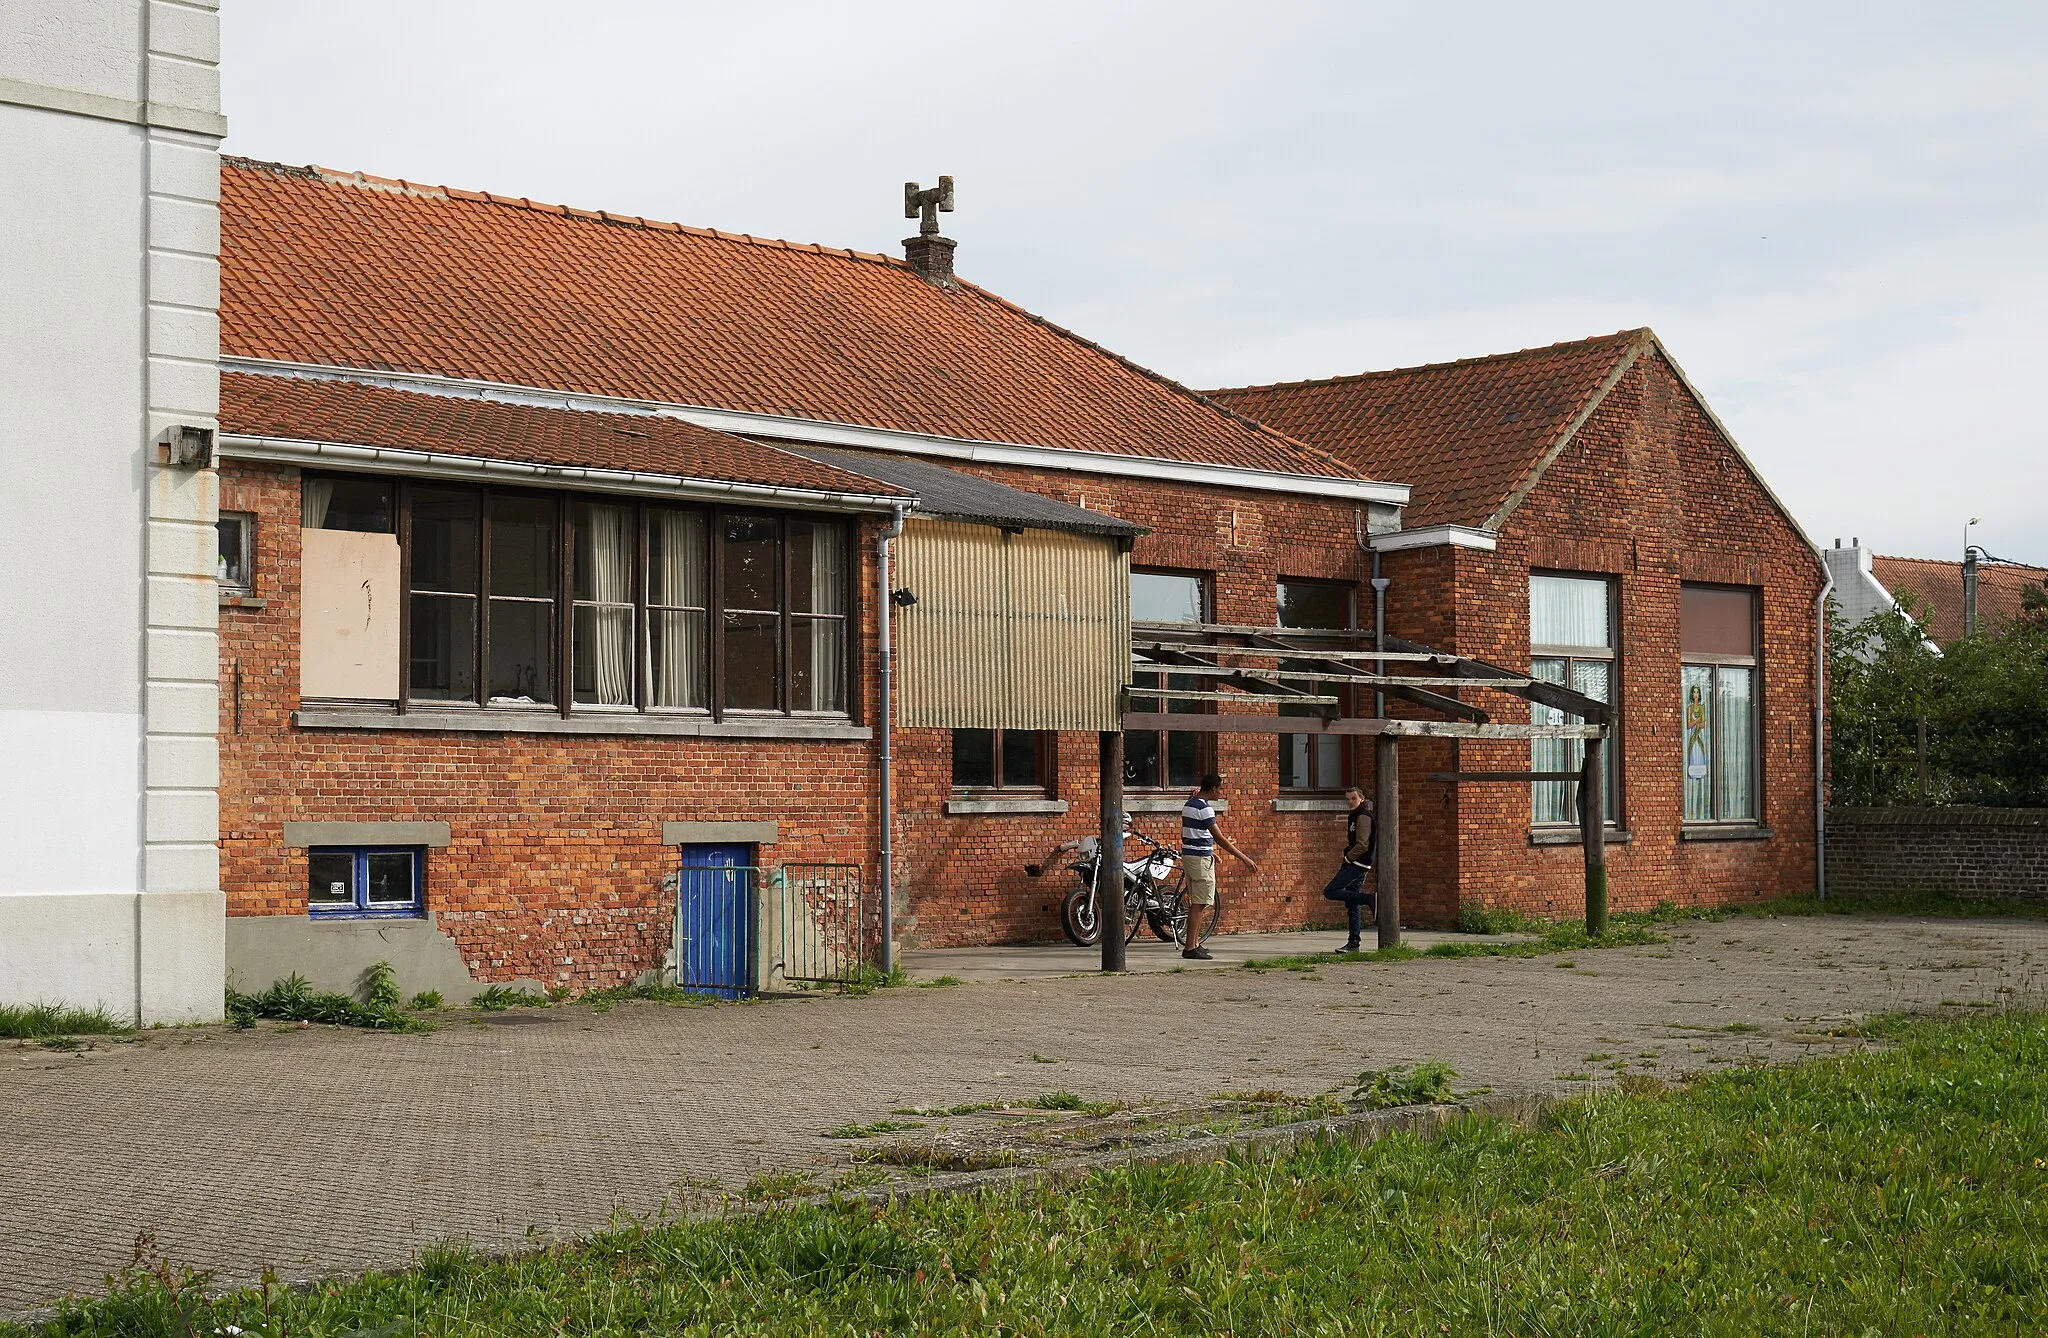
x=1740, y=832
x=536, y=722
x=720, y=833
x=997, y=807
x=299, y=835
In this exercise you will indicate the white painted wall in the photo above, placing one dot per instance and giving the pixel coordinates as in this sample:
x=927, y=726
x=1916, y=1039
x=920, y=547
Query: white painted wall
x=109, y=245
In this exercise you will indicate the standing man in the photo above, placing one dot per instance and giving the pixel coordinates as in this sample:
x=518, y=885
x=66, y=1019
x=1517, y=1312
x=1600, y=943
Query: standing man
x=1361, y=836
x=1198, y=841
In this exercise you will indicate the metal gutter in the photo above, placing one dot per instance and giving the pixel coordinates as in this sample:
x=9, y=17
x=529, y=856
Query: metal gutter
x=1433, y=536
x=470, y=468
x=773, y=426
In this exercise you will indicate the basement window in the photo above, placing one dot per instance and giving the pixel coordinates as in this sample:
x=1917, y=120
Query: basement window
x=347, y=882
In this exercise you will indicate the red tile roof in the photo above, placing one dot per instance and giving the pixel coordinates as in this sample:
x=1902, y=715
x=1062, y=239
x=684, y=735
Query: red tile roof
x=367, y=273
x=299, y=409
x=1935, y=590
x=1465, y=434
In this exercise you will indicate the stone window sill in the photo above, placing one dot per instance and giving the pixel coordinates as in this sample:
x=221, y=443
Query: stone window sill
x=1166, y=803
x=1001, y=806
x=1748, y=831
x=230, y=599
x=536, y=722
x=1312, y=804
x=1572, y=836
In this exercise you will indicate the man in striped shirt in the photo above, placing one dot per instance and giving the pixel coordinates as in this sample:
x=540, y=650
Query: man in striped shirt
x=1198, y=841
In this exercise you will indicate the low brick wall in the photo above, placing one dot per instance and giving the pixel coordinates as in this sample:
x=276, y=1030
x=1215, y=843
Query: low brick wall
x=1973, y=852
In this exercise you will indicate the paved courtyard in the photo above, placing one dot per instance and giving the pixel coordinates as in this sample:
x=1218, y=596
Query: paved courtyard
x=322, y=1150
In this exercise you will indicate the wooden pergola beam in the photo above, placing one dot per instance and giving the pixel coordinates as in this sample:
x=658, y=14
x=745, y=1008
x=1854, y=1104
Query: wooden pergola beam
x=1518, y=685
x=1193, y=723
x=1434, y=701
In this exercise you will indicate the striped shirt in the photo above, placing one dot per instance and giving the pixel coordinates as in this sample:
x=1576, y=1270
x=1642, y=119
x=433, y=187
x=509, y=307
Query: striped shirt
x=1197, y=826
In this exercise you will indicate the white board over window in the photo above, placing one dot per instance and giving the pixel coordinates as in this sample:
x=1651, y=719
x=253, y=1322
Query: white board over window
x=348, y=615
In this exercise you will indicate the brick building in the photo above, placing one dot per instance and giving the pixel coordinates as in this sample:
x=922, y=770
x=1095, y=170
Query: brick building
x=497, y=475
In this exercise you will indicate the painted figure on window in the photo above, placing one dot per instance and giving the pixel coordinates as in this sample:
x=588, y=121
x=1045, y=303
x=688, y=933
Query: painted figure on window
x=1696, y=747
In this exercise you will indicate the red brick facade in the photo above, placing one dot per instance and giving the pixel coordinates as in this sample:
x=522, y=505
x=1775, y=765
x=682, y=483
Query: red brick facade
x=555, y=869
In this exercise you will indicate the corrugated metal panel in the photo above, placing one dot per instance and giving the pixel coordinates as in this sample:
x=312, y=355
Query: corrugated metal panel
x=1011, y=631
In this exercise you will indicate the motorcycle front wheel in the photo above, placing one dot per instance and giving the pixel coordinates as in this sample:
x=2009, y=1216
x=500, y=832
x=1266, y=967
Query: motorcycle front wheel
x=1078, y=918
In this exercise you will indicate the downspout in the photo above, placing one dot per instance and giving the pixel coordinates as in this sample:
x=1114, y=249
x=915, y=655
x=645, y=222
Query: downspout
x=885, y=712
x=1379, y=609
x=1820, y=734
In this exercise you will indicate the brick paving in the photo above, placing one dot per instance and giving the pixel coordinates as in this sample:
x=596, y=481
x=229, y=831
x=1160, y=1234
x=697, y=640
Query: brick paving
x=327, y=1150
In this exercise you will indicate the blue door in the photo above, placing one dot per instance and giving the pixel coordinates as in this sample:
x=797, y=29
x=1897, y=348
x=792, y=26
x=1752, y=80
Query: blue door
x=715, y=921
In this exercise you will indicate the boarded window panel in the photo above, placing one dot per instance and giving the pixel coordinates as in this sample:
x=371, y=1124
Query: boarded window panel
x=1716, y=620
x=348, y=615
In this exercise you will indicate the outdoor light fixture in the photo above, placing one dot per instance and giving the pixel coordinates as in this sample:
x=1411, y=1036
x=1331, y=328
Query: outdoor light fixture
x=186, y=447
x=903, y=598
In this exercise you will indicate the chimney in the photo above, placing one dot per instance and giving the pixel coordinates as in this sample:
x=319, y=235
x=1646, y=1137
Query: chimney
x=928, y=253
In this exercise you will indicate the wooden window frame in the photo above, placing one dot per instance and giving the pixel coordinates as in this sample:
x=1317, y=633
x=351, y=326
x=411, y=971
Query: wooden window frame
x=1615, y=788
x=564, y=603
x=1205, y=741
x=1047, y=760
x=1347, y=701
x=1758, y=754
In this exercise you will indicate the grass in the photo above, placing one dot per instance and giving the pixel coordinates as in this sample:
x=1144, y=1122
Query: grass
x=48, y=1021
x=1899, y=1190
x=1624, y=930
x=872, y=1130
x=1427, y=1084
x=293, y=1000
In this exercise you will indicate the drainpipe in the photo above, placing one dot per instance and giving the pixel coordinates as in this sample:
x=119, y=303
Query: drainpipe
x=1379, y=608
x=1820, y=734
x=888, y=795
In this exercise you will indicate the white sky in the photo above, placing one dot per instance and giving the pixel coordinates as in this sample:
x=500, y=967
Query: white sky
x=1833, y=213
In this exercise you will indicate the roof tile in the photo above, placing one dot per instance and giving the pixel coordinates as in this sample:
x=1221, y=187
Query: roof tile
x=318, y=269
x=1935, y=589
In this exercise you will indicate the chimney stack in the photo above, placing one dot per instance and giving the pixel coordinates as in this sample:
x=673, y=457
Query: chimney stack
x=928, y=253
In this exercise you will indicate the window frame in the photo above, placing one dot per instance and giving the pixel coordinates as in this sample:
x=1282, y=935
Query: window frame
x=1045, y=766
x=561, y=643
x=1347, y=699
x=360, y=908
x=1715, y=662
x=245, y=525
x=1613, y=790
x=1205, y=741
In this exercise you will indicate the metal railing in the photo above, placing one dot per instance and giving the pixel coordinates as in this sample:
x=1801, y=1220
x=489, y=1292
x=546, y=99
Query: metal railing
x=818, y=925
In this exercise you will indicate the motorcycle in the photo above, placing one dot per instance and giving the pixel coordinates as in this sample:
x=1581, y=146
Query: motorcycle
x=1146, y=899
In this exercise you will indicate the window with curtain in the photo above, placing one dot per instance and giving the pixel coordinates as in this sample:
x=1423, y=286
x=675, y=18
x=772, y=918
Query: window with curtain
x=1571, y=643
x=1312, y=761
x=522, y=599
x=1717, y=638
x=1166, y=758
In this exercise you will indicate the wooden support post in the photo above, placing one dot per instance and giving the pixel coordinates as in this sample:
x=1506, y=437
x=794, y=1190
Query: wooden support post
x=1109, y=870
x=1387, y=887
x=1593, y=832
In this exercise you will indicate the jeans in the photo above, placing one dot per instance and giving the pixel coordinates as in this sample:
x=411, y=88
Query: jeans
x=1349, y=887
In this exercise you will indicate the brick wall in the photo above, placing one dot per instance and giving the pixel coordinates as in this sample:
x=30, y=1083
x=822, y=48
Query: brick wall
x=1649, y=493
x=962, y=877
x=555, y=868
x=1962, y=852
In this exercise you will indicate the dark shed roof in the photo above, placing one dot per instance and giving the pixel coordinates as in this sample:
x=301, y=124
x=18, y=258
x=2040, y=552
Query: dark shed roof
x=949, y=494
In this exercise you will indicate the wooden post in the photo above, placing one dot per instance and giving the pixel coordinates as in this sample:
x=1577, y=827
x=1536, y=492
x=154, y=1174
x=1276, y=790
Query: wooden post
x=1593, y=832
x=1387, y=887
x=1109, y=870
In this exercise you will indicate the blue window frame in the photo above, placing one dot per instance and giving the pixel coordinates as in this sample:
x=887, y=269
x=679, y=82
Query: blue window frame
x=355, y=881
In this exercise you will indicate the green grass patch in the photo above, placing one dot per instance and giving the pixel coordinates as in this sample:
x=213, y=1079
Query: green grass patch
x=1914, y=904
x=498, y=998
x=48, y=1021
x=1631, y=930
x=940, y=983
x=1899, y=1190
x=873, y=1130
x=1426, y=1084
x=1069, y=1101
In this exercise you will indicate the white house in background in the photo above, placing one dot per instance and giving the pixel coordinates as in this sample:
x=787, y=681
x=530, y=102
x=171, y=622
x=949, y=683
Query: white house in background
x=109, y=384
x=1858, y=593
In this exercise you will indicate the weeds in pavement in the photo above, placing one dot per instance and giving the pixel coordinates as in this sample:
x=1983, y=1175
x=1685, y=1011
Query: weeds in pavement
x=498, y=998
x=34, y=1022
x=1426, y=1084
x=293, y=1000
x=872, y=1130
x=776, y=1186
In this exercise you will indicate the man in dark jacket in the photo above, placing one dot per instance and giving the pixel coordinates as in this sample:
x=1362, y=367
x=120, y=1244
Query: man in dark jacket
x=1361, y=836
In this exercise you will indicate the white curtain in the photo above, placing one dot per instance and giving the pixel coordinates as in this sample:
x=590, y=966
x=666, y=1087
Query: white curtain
x=828, y=595
x=315, y=496
x=1553, y=799
x=604, y=622
x=1732, y=743
x=1569, y=611
x=677, y=581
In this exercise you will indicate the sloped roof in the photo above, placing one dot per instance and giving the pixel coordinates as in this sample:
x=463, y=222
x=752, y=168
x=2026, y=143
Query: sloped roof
x=1935, y=590
x=379, y=275
x=948, y=494
x=300, y=409
x=1465, y=434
